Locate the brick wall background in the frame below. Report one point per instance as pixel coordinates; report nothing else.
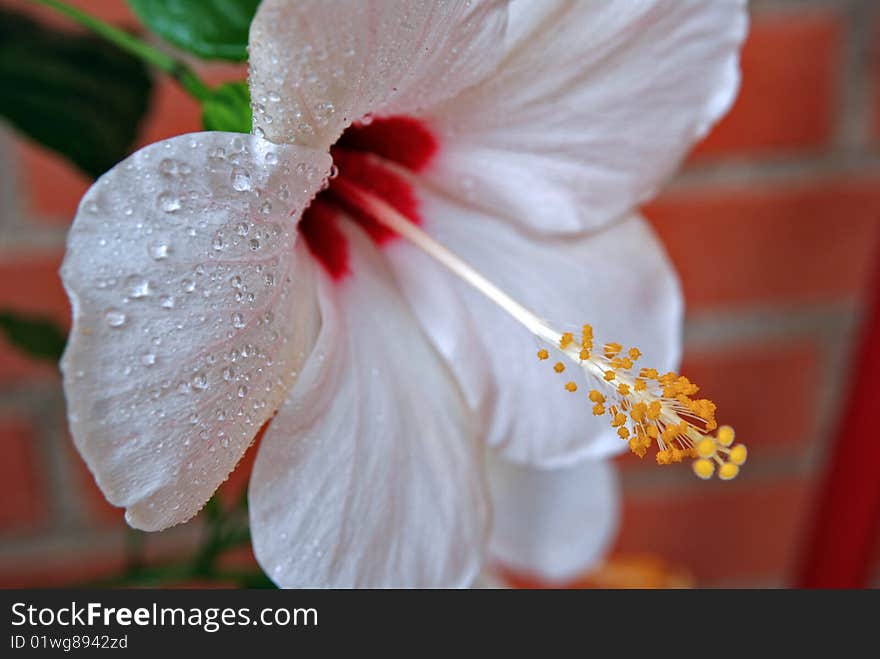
(773, 224)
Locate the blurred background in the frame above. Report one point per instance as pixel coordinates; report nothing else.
(773, 224)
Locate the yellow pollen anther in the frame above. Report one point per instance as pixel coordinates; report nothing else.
(584, 354)
(726, 435)
(598, 409)
(596, 396)
(738, 454)
(610, 375)
(704, 468)
(611, 349)
(623, 389)
(654, 410)
(649, 373)
(638, 412)
(543, 354)
(623, 431)
(587, 337)
(618, 420)
(640, 385)
(559, 367)
(571, 386)
(706, 447)
(634, 353)
(566, 340)
(728, 471)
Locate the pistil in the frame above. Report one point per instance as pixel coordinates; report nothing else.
(643, 406)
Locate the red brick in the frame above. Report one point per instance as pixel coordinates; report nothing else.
(61, 569)
(30, 284)
(738, 380)
(875, 64)
(101, 512)
(51, 187)
(745, 383)
(804, 242)
(23, 506)
(788, 96)
(111, 11)
(721, 531)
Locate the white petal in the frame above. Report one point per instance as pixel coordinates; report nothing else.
(619, 280)
(192, 308)
(592, 108)
(553, 524)
(318, 65)
(370, 474)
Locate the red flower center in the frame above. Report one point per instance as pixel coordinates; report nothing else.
(369, 156)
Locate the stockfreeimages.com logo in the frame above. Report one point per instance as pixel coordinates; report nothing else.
(210, 619)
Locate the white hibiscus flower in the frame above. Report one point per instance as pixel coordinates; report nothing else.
(485, 164)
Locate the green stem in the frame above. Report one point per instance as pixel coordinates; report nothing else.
(184, 76)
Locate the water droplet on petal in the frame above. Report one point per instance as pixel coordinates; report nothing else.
(148, 359)
(137, 287)
(168, 202)
(237, 320)
(160, 251)
(168, 167)
(199, 381)
(115, 317)
(241, 180)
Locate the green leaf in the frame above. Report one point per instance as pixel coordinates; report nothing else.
(211, 29)
(75, 94)
(228, 108)
(37, 337)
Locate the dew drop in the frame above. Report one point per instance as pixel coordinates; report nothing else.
(168, 202)
(188, 285)
(115, 317)
(138, 287)
(255, 244)
(237, 320)
(242, 229)
(199, 381)
(160, 251)
(148, 359)
(241, 180)
(167, 302)
(168, 167)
